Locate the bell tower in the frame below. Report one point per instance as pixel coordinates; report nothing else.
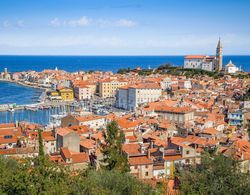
(218, 60)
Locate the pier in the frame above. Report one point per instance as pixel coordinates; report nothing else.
(41, 105)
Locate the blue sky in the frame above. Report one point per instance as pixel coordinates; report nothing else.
(124, 27)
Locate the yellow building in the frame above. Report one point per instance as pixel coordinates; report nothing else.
(54, 93)
(67, 94)
(108, 87)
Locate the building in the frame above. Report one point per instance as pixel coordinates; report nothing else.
(54, 96)
(5, 75)
(236, 118)
(230, 68)
(178, 115)
(108, 87)
(204, 62)
(199, 62)
(141, 167)
(9, 135)
(82, 92)
(130, 97)
(66, 94)
(67, 138)
(218, 58)
(247, 120)
(49, 142)
(74, 160)
(240, 151)
(91, 121)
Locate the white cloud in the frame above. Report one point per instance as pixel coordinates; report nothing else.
(55, 22)
(85, 21)
(126, 23)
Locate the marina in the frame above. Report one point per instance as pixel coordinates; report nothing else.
(35, 115)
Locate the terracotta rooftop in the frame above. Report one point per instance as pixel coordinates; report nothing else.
(139, 160)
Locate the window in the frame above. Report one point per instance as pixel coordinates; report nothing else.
(7, 136)
(146, 166)
(168, 164)
(187, 152)
(146, 173)
(136, 167)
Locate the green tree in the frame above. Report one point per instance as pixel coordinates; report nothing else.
(216, 175)
(109, 182)
(40, 143)
(114, 157)
(24, 178)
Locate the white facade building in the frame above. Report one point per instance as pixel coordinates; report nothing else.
(186, 84)
(230, 68)
(200, 62)
(208, 63)
(166, 83)
(130, 97)
(82, 92)
(92, 121)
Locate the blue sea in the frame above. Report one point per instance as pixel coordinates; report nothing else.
(13, 93)
(102, 63)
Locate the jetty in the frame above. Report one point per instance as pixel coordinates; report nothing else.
(37, 106)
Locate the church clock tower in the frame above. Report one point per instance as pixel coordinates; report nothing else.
(218, 61)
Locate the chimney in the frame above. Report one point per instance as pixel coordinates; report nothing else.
(149, 154)
(169, 141)
(151, 144)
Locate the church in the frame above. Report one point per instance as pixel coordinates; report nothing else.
(209, 63)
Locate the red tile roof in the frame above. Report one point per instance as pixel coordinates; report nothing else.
(195, 56)
(139, 160)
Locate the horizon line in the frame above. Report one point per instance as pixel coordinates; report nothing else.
(113, 55)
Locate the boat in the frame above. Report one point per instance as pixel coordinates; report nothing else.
(11, 110)
(45, 107)
(31, 108)
(55, 120)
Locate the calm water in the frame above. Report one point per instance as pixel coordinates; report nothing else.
(13, 93)
(102, 63)
(39, 116)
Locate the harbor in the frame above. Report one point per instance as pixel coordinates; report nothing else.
(39, 116)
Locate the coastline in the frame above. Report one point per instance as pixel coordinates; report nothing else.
(25, 84)
(42, 91)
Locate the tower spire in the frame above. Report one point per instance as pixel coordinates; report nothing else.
(218, 61)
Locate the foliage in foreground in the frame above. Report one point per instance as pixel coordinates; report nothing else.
(25, 178)
(217, 175)
(114, 157)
